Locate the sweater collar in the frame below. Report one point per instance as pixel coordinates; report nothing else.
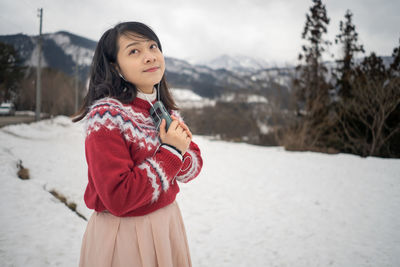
(141, 101)
(149, 97)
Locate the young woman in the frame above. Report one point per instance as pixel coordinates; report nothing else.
(133, 166)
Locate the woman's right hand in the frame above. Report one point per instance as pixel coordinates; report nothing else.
(176, 135)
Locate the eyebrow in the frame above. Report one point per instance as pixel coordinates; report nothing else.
(135, 43)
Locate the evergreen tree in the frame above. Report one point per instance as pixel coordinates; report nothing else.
(10, 72)
(372, 67)
(312, 88)
(395, 66)
(348, 37)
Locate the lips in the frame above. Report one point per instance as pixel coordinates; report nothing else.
(152, 69)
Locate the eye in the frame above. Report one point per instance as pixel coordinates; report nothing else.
(153, 46)
(133, 51)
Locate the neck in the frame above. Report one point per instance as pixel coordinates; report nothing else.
(146, 90)
(149, 97)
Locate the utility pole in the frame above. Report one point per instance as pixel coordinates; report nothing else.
(38, 70)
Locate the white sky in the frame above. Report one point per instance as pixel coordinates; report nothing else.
(202, 30)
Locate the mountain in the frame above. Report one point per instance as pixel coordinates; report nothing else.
(225, 74)
(71, 53)
(61, 50)
(236, 63)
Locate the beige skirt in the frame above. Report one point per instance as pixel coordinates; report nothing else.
(155, 239)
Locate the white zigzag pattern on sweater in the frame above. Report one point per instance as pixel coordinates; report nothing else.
(153, 180)
(138, 117)
(193, 169)
(125, 128)
(160, 172)
(177, 114)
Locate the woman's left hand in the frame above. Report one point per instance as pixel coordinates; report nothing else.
(183, 125)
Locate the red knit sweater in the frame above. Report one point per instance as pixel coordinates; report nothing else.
(129, 173)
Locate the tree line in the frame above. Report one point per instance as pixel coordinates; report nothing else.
(352, 107)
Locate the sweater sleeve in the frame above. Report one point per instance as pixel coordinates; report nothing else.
(192, 162)
(121, 185)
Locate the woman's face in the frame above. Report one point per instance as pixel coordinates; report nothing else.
(140, 61)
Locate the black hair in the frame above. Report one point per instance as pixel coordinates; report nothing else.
(104, 77)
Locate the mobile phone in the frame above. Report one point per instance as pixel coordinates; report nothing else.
(159, 112)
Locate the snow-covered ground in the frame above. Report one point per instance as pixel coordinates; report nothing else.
(186, 98)
(250, 206)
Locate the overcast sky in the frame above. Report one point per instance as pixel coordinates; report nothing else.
(202, 30)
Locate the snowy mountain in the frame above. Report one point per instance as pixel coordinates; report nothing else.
(250, 205)
(66, 51)
(225, 74)
(61, 50)
(80, 49)
(237, 63)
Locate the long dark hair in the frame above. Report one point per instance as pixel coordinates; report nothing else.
(104, 78)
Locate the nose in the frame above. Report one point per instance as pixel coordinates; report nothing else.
(149, 57)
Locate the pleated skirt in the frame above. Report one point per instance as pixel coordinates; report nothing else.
(155, 239)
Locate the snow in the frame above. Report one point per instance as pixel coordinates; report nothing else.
(33, 58)
(266, 207)
(185, 94)
(264, 128)
(248, 98)
(256, 99)
(186, 98)
(236, 62)
(79, 54)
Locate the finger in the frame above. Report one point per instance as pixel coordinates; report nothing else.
(162, 128)
(186, 135)
(186, 129)
(174, 118)
(180, 129)
(174, 125)
(188, 141)
(180, 121)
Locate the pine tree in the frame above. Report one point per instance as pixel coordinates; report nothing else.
(348, 37)
(10, 72)
(372, 67)
(395, 66)
(310, 130)
(312, 88)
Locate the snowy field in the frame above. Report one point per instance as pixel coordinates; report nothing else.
(250, 206)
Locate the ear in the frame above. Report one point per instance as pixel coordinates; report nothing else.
(115, 65)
